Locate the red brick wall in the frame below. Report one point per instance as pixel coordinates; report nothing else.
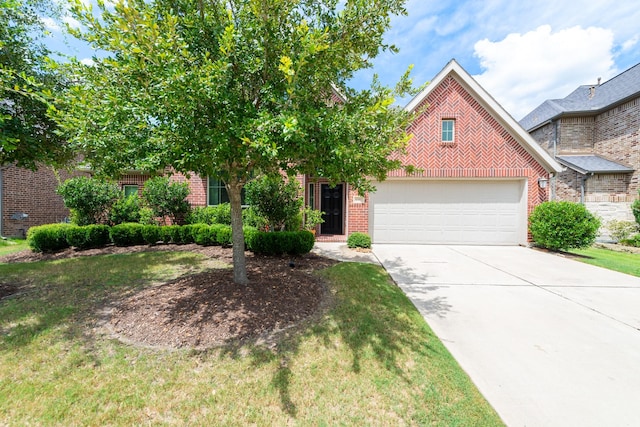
(482, 148)
(32, 193)
(197, 186)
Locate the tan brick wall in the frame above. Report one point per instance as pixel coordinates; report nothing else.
(575, 135)
(32, 193)
(618, 139)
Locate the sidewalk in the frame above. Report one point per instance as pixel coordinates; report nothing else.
(339, 251)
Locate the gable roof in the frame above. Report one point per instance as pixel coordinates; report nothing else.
(592, 163)
(493, 107)
(587, 99)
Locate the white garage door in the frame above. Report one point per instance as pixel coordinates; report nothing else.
(448, 212)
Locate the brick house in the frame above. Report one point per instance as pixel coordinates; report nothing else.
(595, 133)
(479, 176)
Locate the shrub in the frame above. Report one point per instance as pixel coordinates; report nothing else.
(170, 233)
(634, 241)
(167, 199)
(48, 237)
(88, 236)
(620, 230)
(186, 234)
(275, 199)
(359, 240)
(204, 234)
(249, 234)
(224, 235)
(277, 243)
(563, 225)
(312, 218)
(635, 208)
(147, 217)
(125, 209)
(152, 234)
(251, 218)
(88, 199)
(220, 214)
(127, 234)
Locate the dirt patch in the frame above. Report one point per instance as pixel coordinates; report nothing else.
(7, 290)
(208, 309)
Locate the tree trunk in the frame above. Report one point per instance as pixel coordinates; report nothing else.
(234, 190)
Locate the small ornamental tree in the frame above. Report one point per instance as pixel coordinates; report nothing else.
(230, 88)
(563, 225)
(275, 199)
(167, 199)
(88, 199)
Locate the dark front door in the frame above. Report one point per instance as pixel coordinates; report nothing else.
(331, 205)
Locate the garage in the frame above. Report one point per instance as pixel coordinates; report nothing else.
(464, 212)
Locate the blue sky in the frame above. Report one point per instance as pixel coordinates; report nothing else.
(521, 52)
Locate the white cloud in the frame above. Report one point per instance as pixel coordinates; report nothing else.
(88, 61)
(523, 70)
(629, 44)
(71, 21)
(50, 24)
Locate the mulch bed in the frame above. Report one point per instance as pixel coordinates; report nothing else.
(208, 309)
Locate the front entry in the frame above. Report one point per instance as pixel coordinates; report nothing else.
(331, 204)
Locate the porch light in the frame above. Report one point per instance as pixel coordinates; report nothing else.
(542, 182)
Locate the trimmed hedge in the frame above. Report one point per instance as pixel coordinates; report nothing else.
(281, 242)
(48, 237)
(563, 225)
(89, 236)
(54, 237)
(127, 234)
(359, 240)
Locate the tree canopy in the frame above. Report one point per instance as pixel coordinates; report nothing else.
(27, 134)
(228, 88)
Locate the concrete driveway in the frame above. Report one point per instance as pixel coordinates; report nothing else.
(549, 341)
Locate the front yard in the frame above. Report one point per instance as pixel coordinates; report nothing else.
(624, 262)
(367, 358)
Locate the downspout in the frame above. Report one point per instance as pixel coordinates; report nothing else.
(583, 183)
(552, 178)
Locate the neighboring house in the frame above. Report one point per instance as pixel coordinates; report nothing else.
(29, 198)
(480, 174)
(595, 133)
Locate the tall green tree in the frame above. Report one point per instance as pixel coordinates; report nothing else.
(27, 134)
(226, 88)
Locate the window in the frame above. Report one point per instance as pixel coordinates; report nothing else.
(312, 196)
(217, 193)
(130, 190)
(448, 130)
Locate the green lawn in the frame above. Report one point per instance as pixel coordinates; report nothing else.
(624, 262)
(370, 360)
(8, 246)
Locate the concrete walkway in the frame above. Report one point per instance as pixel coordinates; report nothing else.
(549, 341)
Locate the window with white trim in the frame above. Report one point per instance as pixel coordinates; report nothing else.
(448, 130)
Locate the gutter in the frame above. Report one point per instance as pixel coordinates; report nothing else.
(583, 182)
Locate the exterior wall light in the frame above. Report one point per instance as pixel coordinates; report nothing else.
(542, 182)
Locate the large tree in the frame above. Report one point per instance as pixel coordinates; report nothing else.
(27, 134)
(229, 88)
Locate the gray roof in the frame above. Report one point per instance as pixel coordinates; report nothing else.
(587, 99)
(592, 164)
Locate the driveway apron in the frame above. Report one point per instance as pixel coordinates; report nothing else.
(549, 341)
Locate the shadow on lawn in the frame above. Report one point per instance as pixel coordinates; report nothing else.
(369, 314)
(63, 294)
